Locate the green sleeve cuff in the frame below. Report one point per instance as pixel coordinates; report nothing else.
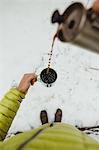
(17, 92)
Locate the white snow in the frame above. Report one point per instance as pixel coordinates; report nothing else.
(25, 40)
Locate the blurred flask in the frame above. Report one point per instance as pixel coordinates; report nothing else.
(78, 26)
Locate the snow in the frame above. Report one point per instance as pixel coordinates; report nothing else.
(25, 40)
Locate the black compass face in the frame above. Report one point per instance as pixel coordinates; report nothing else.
(48, 76)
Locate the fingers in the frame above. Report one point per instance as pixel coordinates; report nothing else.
(33, 80)
(31, 77)
(96, 6)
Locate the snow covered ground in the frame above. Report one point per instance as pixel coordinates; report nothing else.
(25, 40)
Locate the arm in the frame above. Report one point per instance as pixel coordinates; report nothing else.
(8, 109)
(10, 104)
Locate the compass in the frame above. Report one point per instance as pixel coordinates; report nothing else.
(48, 76)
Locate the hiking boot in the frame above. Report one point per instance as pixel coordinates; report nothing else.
(43, 117)
(58, 115)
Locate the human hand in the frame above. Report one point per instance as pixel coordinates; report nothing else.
(96, 6)
(27, 80)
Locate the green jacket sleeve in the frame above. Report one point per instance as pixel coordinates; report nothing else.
(8, 109)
